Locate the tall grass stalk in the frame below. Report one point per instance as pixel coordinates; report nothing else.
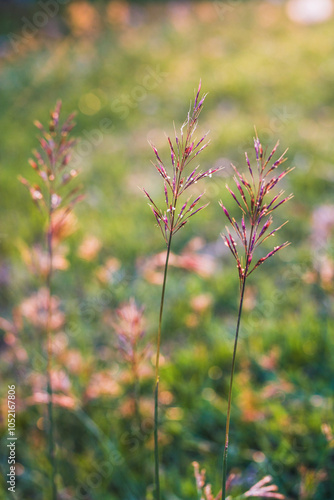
(51, 164)
(252, 231)
(183, 151)
(227, 431)
(49, 348)
(156, 390)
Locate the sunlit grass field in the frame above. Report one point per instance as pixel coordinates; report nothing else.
(130, 71)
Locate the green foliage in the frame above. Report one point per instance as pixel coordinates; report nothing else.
(259, 68)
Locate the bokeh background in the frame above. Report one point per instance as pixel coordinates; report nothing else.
(130, 70)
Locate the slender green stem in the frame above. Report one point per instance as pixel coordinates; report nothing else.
(242, 293)
(162, 307)
(52, 457)
(156, 391)
(136, 389)
(156, 444)
(51, 439)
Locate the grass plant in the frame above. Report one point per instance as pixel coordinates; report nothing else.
(172, 218)
(56, 202)
(252, 231)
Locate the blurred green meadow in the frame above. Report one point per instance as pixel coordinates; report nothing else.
(130, 70)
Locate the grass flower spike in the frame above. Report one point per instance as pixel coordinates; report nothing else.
(174, 216)
(253, 200)
(256, 211)
(183, 152)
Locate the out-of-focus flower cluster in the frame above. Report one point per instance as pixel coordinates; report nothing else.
(262, 489)
(321, 244)
(40, 313)
(191, 259)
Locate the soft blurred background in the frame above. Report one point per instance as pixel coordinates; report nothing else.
(130, 69)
